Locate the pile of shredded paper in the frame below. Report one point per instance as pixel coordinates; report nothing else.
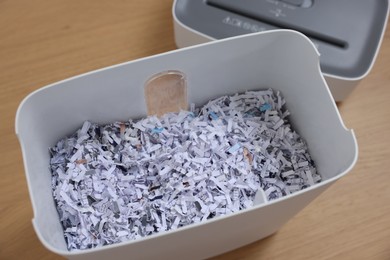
(127, 180)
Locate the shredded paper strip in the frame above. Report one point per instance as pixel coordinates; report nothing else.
(127, 180)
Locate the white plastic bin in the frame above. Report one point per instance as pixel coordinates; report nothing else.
(282, 60)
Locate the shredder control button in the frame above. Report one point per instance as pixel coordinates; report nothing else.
(300, 3)
(294, 2)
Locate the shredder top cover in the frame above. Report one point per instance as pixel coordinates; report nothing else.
(347, 33)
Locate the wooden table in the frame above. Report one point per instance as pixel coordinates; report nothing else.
(42, 42)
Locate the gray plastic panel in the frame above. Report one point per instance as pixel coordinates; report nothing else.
(346, 32)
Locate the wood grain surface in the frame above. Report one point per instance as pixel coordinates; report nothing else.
(44, 41)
